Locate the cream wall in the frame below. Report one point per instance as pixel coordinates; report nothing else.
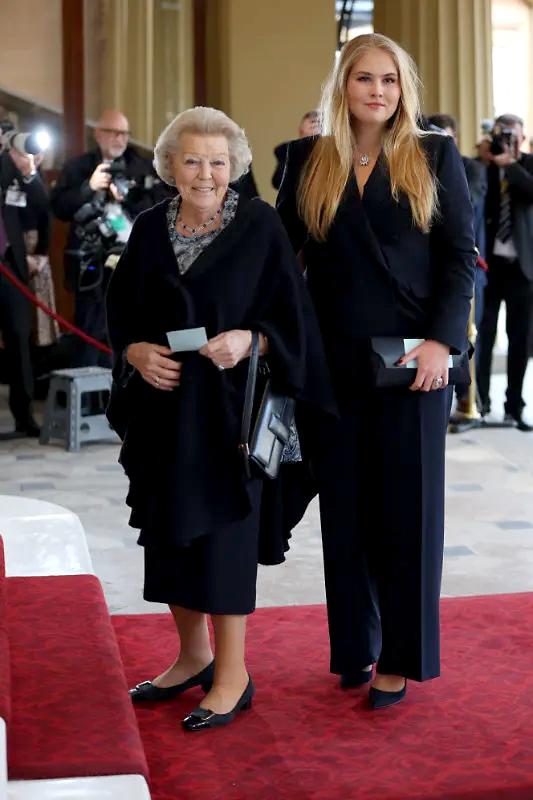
(512, 23)
(147, 62)
(451, 42)
(31, 50)
(266, 64)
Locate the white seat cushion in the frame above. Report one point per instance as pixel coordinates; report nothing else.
(42, 538)
(109, 787)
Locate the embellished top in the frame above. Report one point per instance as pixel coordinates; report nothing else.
(188, 248)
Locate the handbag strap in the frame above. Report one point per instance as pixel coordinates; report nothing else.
(249, 396)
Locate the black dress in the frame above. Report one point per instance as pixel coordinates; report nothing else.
(380, 467)
(198, 513)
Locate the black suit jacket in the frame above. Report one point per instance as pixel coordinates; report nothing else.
(281, 155)
(520, 178)
(379, 275)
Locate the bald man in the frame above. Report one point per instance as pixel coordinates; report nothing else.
(85, 179)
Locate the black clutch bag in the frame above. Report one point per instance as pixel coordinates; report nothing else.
(264, 438)
(387, 350)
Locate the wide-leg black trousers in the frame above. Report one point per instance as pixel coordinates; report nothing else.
(381, 477)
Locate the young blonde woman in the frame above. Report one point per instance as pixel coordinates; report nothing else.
(381, 211)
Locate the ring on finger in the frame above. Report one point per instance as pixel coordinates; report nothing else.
(438, 382)
(156, 380)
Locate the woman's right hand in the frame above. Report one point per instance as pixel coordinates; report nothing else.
(152, 361)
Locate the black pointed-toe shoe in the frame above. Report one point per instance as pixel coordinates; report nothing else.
(202, 718)
(147, 691)
(351, 680)
(380, 699)
(518, 421)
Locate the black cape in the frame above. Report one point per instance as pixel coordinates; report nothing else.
(180, 448)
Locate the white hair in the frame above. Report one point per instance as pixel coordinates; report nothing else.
(205, 122)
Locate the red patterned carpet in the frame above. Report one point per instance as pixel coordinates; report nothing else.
(465, 736)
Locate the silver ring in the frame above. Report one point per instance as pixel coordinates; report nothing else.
(220, 367)
(437, 383)
(156, 379)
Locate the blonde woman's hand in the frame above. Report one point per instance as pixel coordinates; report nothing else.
(154, 364)
(228, 348)
(432, 358)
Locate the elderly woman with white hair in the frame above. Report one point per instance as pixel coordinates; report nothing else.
(211, 259)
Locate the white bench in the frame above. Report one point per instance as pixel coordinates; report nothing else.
(42, 538)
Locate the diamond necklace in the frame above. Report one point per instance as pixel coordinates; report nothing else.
(364, 158)
(201, 227)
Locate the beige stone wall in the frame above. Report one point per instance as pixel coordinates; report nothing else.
(512, 25)
(267, 62)
(147, 62)
(31, 50)
(451, 41)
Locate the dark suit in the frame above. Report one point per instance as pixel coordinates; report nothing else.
(381, 466)
(510, 281)
(15, 311)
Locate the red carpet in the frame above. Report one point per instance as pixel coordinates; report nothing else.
(465, 736)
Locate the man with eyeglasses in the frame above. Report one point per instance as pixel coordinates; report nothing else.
(86, 179)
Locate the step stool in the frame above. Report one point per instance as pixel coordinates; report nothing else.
(66, 420)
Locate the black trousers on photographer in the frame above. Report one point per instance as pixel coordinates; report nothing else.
(506, 283)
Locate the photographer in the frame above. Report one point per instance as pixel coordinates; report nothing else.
(24, 208)
(509, 220)
(112, 184)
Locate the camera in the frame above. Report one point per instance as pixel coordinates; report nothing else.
(30, 143)
(125, 185)
(503, 138)
(117, 170)
(98, 244)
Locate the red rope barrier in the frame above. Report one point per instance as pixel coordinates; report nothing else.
(7, 273)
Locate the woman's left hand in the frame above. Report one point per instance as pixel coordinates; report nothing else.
(228, 348)
(432, 358)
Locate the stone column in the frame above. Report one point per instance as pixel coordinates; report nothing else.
(148, 62)
(451, 41)
(266, 62)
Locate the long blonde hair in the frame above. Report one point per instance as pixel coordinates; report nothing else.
(331, 162)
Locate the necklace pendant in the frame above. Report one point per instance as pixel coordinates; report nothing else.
(364, 161)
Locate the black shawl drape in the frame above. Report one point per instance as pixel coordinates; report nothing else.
(180, 449)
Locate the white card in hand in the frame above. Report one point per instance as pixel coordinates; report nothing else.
(187, 340)
(410, 344)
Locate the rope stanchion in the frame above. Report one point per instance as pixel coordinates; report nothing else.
(61, 321)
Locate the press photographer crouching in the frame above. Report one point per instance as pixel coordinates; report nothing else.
(100, 193)
(509, 218)
(24, 234)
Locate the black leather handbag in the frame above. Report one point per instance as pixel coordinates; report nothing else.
(387, 350)
(262, 442)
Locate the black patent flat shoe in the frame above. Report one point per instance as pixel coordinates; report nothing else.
(147, 691)
(380, 699)
(202, 718)
(351, 680)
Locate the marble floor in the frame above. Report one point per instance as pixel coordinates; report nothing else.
(489, 523)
